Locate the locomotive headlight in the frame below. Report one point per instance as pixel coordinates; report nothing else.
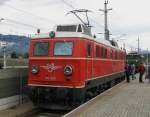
(52, 34)
(34, 69)
(68, 70)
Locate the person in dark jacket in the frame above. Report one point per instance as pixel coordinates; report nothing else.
(141, 70)
(127, 72)
(148, 73)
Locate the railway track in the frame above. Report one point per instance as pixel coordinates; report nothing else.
(59, 113)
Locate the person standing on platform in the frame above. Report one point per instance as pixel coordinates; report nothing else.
(148, 72)
(133, 71)
(127, 72)
(141, 71)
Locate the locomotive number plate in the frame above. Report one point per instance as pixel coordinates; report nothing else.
(50, 78)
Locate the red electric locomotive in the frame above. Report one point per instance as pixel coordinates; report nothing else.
(68, 65)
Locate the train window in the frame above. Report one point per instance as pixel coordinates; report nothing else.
(105, 53)
(97, 51)
(116, 55)
(41, 49)
(63, 48)
(71, 28)
(89, 48)
(102, 52)
(121, 56)
(111, 54)
(79, 28)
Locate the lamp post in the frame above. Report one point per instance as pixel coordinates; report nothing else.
(3, 44)
(4, 50)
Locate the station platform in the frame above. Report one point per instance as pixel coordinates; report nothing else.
(123, 100)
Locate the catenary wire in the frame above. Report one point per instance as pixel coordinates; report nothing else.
(71, 6)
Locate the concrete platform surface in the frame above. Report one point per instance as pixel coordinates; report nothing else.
(17, 111)
(124, 100)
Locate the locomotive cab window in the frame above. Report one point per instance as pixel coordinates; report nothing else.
(41, 49)
(63, 48)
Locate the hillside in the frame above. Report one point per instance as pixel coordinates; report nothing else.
(15, 43)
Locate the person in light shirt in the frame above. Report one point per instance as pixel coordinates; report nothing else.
(133, 71)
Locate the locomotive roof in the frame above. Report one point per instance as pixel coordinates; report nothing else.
(73, 32)
(80, 28)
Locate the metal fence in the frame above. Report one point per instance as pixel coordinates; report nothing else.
(13, 82)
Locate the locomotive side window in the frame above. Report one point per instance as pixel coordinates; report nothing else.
(105, 53)
(63, 48)
(120, 56)
(97, 51)
(89, 48)
(111, 54)
(79, 28)
(115, 54)
(41, 49)
(102, 52)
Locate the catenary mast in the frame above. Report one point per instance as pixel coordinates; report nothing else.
(105, 10)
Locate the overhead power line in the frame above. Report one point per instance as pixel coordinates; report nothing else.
(71, 6)
(31, 14)
(21, 23)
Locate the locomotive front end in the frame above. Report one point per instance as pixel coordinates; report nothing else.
(55, 73)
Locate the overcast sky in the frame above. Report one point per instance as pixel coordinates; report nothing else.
(130, 17)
